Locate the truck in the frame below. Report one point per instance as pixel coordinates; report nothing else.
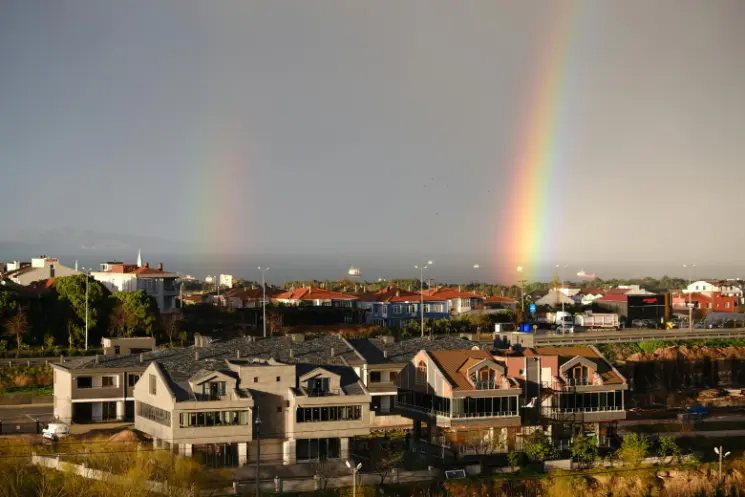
(593, 320)
(558, 317)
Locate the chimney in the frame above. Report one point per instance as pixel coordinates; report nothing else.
(98, 359)
(142, 357)
(292, 353)
(332, 352)
(160, 266)
(385, 354)
(147, 264)
(237, 354)
(196, 354)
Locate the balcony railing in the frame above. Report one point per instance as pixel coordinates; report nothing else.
(492, 414)
(586, 409)
(488, 385)
(426, 410)
(322, 393)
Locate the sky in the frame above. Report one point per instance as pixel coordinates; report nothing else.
(388, 127)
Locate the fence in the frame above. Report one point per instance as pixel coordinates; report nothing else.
(10, 427)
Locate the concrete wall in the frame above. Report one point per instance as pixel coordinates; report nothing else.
(62, 394)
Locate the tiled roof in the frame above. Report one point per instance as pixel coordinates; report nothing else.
(566, 354)
(310, 293)
(394, 294)
(348, 379)
(450, 363)
(496, 299)
(253, 293)
(401, 352)
(451, 293)
(181, 363)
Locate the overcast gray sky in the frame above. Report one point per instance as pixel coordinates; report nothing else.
(346, 126)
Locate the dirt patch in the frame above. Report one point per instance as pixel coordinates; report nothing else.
(128, 436)
(688, 353)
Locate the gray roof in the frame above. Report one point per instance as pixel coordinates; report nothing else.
(399, 352)
(348, 379)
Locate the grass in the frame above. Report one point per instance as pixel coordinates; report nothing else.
(34, 391)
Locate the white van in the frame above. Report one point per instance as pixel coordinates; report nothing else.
(55, 431)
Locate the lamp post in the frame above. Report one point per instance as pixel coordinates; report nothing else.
(720, 452)
(561, 277)
(355, 470)
(421, 290)
(689, 304)
(263, 299)
(522, 289)
(257, 423)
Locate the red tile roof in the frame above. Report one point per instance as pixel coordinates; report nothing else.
(451, 293)
(394, 294)
(497, 299)
(450, 363)
(310, 293)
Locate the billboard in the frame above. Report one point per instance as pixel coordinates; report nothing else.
(648, 307)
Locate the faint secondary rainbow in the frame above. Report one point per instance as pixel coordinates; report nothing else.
(530, 214)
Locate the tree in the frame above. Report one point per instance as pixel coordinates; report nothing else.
(325, 473)
(138, 312)
(171, 327)
(584, 449)
(17, 326)
(71, 294)
(538, 446)
(514, 459)
(8, 304)
(668, 448)
(634, 448)
(384, 460)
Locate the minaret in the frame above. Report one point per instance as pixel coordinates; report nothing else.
(76, 266)
(139, 258)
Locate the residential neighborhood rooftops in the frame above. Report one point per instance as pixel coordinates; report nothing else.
(448, 293)
(312, 293)
(383, 350)
(454, 364)
(394, 294)
(566, 354)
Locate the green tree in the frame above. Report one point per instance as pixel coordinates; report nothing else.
(71, 294)
(17, 326)
(634, 448)
(138, 311)
(514, 459)
(538, 446)
(584, 449)
(668, 448)
(8, 304)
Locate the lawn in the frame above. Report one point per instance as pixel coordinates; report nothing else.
(32, 390)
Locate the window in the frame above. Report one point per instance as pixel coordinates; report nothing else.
(375, 377)
(726, 305)
(397, 309)
(107, 381)
(328, 413)
(153, 385)
(279, 409)
(393, 376)
(411, 308)
(213, 418)
(256, 379)
(85, 382)
(427, 308)
(132, 379)
(278, 379)
(154, 414)
(421, 372)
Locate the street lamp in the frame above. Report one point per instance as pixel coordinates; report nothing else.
(421, 290)
(522, 289)
(689, 304)
(355, 470)
(263, 299)
(720, 452)
(257, 423)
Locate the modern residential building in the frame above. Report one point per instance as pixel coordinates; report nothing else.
(156, 282)
(40, 268)
(384, 359)
(315, 297)
(474, 401)
(226, 281)
(459, 302)
(392, 307)
(127, 345)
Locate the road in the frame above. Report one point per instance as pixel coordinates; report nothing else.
(546, 338)
(34, 361)
(26, 413)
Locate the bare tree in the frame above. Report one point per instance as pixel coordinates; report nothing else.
(17, 326)
(325, 473)
(171, 327)
(384, 460)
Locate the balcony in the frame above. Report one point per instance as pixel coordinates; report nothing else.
(317, 392)
(487, 385)
(79, 393)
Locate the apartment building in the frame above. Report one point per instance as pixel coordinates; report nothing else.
(159, 284)
(40, 268)
(475, 401)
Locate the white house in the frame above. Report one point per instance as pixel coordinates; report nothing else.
(160, 285)
(41, 268)
(725, 288)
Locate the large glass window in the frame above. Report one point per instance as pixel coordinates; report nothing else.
(318, 449)
(328, 413)
(213, 418)
(153, 413)
(424, 402)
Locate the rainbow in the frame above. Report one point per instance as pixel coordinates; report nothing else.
(530, 218)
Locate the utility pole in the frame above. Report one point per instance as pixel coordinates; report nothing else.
(263, 299)
(522, 290)
(421, 291)
(258, 452)
(690, 302)
(86, 309)
(561, 277)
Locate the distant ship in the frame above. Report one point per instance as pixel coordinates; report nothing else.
(353, 272)
(583, 274)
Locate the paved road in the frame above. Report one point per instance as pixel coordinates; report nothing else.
(44, 412)
(634, 335)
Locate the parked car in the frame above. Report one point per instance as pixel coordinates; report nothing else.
(639, 323)
(567, 328)
(55, 431)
